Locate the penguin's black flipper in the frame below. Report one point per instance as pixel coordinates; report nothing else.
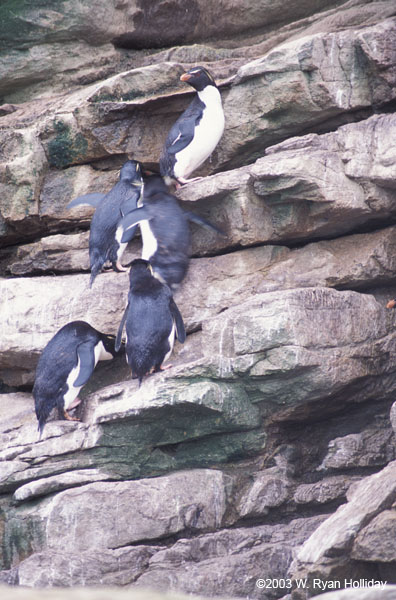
(130, 220)
(130, 203)
(182, 132)
(203, 222)
(91, 199)
(180, 136)
(175, 312)
(86, 354)
(118, 341)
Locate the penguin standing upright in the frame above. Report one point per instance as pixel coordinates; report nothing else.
(165, 231)
(65, 365)
(196, 132)
(151, 320)
(105, 234)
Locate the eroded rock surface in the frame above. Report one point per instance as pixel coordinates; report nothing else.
(267, 450)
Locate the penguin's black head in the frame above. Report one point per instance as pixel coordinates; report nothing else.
(140, 271)
(198, 78)
(131, 171)
(154, 184)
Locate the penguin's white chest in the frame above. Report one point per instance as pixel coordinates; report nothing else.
(100, 353)
(206, 134)
(150, 244)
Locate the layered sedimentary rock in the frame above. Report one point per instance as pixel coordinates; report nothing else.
(268, 450)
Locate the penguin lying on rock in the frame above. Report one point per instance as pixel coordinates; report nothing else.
(151, 320)
(105, 234)
(66, 364)
(165, 231)
(196, 132)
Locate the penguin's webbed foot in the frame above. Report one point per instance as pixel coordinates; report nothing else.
(118, 267)
(68, 417)
(391, 304)
(161, 368)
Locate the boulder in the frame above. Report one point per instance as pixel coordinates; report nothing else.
(374, 446)
(324, 491)
(325, 555)
(270, 488)
(316, 186)
(377, 541)
(232, 559)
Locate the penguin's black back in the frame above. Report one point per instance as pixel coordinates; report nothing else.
(57, 360)
(170, 227)
(107, 217)
(148, 323)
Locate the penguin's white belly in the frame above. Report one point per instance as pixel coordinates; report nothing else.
(206, 137)
(72, 392)
(122, 246)
(149, 242)
(171, 340)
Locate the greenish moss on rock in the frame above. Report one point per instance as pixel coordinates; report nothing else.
(66, 148)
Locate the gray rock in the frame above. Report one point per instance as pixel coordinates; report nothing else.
(291, 353)
(118, 567)
(48, 485)
(367, 448)
(229, 560)
(306, 81)
(377, 541)
(15, 410)
(131, 440)
(307, 86)
(122, 513)
(269, 489)
(324, 554)
(212, 285)
(326, 490)
(306, 188)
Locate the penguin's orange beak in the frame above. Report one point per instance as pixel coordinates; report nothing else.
(391, 304)
(185, 77)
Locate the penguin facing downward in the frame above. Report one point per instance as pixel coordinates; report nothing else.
(165, 231)
(151, 320)
(196, 132)
(65, 365)
(105, 235)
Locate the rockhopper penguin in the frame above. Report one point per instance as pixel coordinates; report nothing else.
(151, 320)
(196, 132)
(105, 235)
(165, 231)
(65, 365)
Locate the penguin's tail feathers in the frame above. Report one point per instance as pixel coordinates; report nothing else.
(96, 267)
(40, 428)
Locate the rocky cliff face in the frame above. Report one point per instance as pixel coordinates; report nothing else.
(268, 450)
